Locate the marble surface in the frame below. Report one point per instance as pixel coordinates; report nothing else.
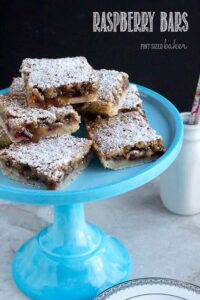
(161, 244)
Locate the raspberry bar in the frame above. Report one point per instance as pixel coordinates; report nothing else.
(124, 140)
(25, 123)
(57, 82)
(50, 163)
(4, 139)
(132, 101)
(113, 88)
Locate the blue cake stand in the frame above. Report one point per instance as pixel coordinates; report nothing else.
(73, 259)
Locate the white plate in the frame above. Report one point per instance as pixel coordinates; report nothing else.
(151, 289)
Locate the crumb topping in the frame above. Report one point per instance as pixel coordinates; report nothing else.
(132, 99)
(111, 84)
(125, 129)
(51, 73)
(16, 109)
(4, 139)
(17, 87)
(50, 157)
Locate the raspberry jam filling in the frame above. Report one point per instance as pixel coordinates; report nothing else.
(59, 101)
(33, 133)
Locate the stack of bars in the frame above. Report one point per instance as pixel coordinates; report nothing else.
(43, 108)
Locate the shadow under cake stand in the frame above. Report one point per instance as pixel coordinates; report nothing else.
(73, 259)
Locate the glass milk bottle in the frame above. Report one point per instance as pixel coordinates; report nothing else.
(180, 183)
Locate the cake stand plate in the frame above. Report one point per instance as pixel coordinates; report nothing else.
(73, 259)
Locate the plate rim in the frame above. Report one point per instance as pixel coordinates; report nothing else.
(147, 281)
(99, 192)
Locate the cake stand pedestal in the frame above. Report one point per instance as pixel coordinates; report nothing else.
(73, 259)
(70, 259)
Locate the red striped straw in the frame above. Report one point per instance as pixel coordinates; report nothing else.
(195, 112)
(197, 117)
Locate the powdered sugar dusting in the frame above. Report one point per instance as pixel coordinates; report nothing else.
(4, 139)
(133, 99)
(50, 157)
(51, 73)
(111, 85)
(16, 109)
(112, 134)
(17, 87)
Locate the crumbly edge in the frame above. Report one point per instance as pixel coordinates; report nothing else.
(117, 165)
(129, 150)
(16, 108)
(68, 72)
(112, 85)
(66, 149)
(36, 100)
(138, 108)
(52, 172)
(41, 83)
(44, 132)
(17, 88)
(25, 127)
(132, 101)
(56, 129)
(109, 109)
(137, 152)
(14, 174)
(4, 138)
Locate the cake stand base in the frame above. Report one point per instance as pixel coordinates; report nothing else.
(70, 260)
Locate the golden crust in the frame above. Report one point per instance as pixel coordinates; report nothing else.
(59, 81)
(49, 162)
(24, 123)
(126, 138)
(113, 88)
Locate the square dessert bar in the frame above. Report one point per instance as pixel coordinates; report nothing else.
(25, 123)
(49, 163)
(57, 82)
(4, 139)
(124, 140)
(113, 87)
(132, 101)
